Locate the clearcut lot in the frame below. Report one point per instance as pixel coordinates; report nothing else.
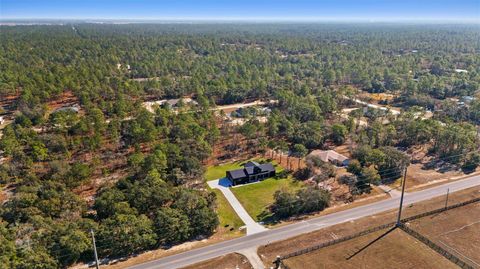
(396, 250)
(270, 251)
(456, 230)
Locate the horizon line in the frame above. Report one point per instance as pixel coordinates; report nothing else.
(249, 19)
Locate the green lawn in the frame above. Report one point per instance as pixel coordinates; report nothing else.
(256, 197)
(218, 171)
(227, 216)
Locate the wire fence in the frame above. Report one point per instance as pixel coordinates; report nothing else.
(439, 210)
(336, 241)
(283, 265)
(455, 259)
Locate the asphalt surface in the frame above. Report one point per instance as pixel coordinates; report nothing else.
(208, 252)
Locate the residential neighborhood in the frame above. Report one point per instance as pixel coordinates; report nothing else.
(239, 134)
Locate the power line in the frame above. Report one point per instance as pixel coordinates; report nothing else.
(398, 223)
(107, 242)
(381, 172)
(392, 171)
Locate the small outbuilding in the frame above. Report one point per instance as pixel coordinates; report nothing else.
(251, 172)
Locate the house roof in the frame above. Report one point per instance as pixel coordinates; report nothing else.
(267, 167)
(249, 169)
(239, 173)
(251, 163)
(329, 155)
(186, 100)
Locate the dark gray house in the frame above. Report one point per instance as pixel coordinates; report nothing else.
(251, 172)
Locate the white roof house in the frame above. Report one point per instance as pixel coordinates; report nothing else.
(330, 156)
(172, 102)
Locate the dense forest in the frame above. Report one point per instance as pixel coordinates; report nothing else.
(147, 168)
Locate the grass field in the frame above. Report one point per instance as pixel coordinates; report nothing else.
(229, 261)
(229, 220)
(396, 250)
(256, 197)
(218, 171)
(456, 230)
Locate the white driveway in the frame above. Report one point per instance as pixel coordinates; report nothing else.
(252, 256)
(394, 193)
(252, 226)
(358, 101)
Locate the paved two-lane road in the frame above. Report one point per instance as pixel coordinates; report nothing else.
(281, 233)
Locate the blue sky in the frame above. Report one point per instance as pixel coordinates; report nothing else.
(365, 10)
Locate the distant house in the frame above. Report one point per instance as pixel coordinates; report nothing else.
(251, 171)
(74, 108)
(172, 103)
(331, 156)
(175, 102)
(468, 99)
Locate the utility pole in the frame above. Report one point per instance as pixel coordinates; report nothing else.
(277, 262)
(446, 199)
(94, 249)
(401, 198)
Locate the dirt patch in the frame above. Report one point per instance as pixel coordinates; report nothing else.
(376, 97)
(229, 261)
(397, 249)
(419, 178)
(65, 99)
(287, 162)
(270, 251)
(3, 197)
(231, 145)
(344, 149)
(7, 103)
(6, 193)
(417, 175)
